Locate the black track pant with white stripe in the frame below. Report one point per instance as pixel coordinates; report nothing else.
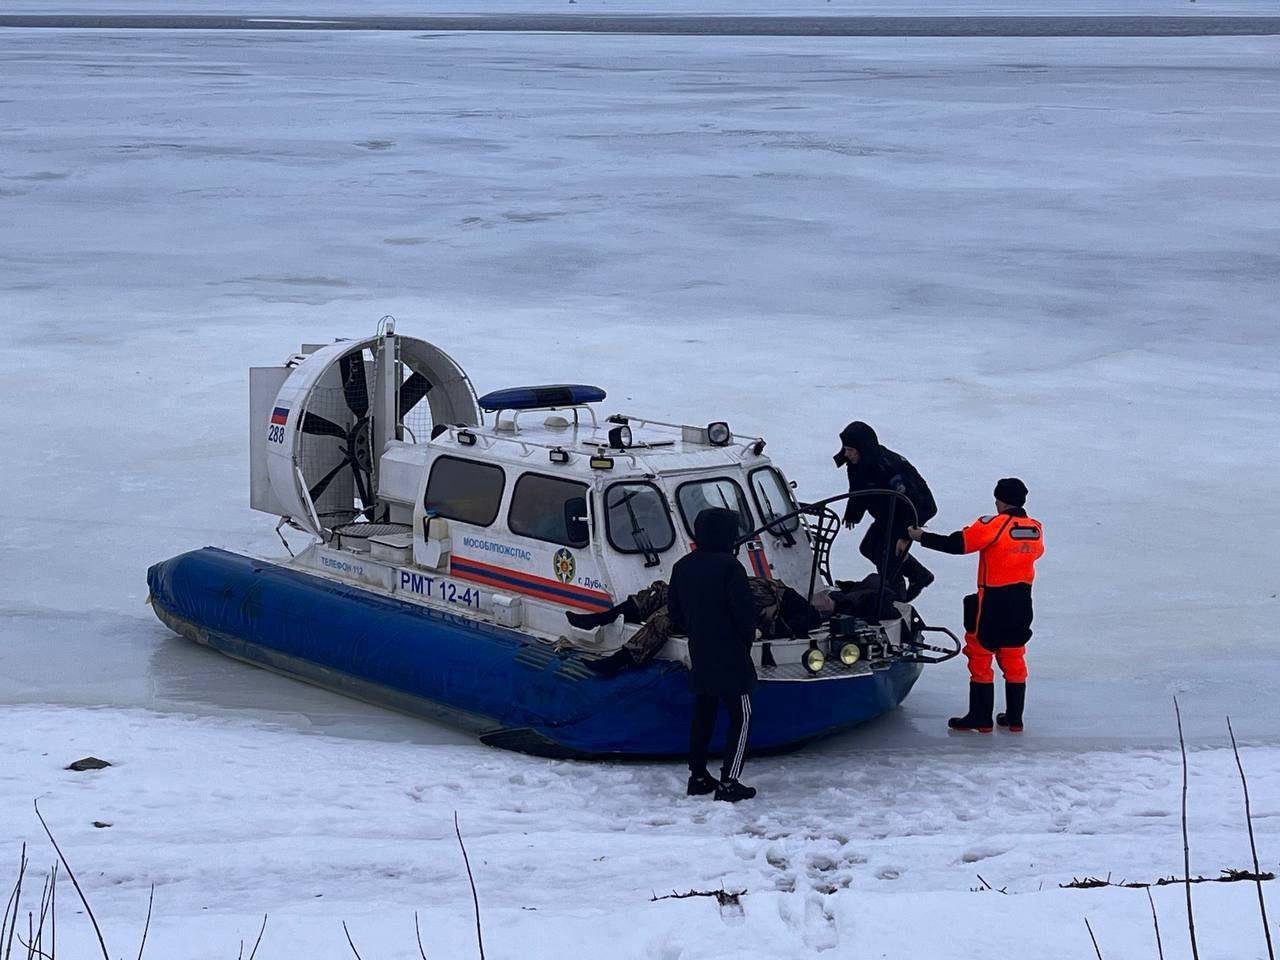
(705, 708)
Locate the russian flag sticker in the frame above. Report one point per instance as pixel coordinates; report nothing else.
(280, 415)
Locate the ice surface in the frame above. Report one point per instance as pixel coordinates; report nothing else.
(1050, 258)
(317, 8)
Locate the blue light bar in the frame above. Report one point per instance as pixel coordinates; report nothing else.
(540, 398)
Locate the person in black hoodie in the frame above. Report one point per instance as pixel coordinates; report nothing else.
(871, 466)
(710, 602)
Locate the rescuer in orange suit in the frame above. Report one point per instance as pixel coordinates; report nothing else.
(997, 619)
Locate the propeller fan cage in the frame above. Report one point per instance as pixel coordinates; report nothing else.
(337, 410)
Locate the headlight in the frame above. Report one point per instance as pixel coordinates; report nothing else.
(850, 653)
(718, 433)
(814, 660)
(620, 437)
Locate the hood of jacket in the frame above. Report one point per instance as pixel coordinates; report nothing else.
(862, 438)
(715, 529)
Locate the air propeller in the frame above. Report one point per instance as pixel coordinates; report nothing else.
(357, 449)
(356, 454)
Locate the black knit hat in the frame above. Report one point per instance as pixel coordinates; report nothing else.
(715, 529)
(1012, 491)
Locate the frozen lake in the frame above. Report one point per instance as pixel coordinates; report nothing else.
(1181, 24)
(1055, 258)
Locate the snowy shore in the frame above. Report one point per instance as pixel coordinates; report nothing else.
(871, 854)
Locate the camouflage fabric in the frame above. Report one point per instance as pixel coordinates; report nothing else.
(651, 607)
(650, 600)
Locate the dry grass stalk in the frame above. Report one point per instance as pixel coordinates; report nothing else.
(9, 922)
(1186, 842)
(147, 926)
(418, 931)
(1253, 846)
(475, 900)
(1155, 922)
(352, 945)
(1093, 938)
(74, 882)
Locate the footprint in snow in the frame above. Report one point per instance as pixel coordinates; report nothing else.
(828, 887)
(821, 863)
(975, 854)
(820, 931)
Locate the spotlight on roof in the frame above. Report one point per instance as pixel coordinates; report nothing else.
(718, 433)
(620, 437)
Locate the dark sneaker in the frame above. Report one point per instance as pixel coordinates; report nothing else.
(1002, 720)
(731, 791)
(917, 586)
(701, 784)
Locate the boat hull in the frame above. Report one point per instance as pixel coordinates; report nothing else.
(510, 689)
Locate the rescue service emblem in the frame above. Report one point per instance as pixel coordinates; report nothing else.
(564, 565)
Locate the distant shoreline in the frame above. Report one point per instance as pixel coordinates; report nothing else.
(689, 25)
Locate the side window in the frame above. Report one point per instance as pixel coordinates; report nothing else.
(637, 519)
(465, 490)
(697, 495)
(551, 509)
(773, 499)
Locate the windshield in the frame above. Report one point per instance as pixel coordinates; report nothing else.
(637, 519)
(698, 495)
(773, 498)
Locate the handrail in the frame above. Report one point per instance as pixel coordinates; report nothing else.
(819, 506)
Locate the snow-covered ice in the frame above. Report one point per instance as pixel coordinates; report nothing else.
(1050, 258)
(876, 855)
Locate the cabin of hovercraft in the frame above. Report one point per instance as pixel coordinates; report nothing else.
(550, 507)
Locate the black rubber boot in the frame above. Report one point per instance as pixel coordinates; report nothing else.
(589, 621)
(702, 783)
(917, 581)
(1015, 699)
(731, 791)
(610, 666)
(982, 700)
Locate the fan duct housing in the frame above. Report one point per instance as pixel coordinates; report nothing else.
(321, 422)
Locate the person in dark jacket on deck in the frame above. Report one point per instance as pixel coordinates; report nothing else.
(710, 602)
(871, 466)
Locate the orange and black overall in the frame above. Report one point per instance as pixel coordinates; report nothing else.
(997, 619)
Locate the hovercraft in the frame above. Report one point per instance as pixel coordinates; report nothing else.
(449, 534)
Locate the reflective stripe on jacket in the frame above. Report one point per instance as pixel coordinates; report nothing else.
(1008, 547)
